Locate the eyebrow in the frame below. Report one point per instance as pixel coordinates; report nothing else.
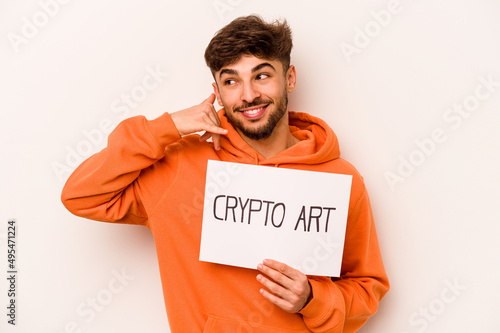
(260, 66)
(229, 71)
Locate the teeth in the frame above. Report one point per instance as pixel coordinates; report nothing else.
(255, 111)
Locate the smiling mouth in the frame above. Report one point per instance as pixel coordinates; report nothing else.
(254, 112)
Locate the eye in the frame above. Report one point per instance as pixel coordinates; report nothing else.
(229, 82)
(262, 76)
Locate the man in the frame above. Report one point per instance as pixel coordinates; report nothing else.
(153, 173)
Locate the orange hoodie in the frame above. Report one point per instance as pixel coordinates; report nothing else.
(149, 175)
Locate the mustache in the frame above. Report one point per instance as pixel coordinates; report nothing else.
(255, 102)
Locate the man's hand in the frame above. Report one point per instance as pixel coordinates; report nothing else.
(202, 117)
(288, 288)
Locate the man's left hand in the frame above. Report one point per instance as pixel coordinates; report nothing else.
(287, 287)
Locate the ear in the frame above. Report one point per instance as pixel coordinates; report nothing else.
(291, 79)
(217, 94)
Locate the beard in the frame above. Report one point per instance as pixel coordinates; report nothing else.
(264, 131)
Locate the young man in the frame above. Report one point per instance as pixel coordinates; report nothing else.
(153, 173)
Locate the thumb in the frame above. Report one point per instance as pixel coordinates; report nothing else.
(210, 99)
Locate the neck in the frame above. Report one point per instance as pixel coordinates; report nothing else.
(280, 140)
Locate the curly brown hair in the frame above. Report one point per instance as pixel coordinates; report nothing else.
(250, 35)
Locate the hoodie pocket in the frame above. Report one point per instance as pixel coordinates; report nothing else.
(217, 324)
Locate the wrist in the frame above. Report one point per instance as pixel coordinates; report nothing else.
(310, 297)
(163, 129)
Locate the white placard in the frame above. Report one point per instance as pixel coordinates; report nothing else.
(255, 212)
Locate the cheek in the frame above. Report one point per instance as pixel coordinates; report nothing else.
(275, 91)
(229, 98)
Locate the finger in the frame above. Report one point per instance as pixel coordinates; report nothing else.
(210, 100)
(291, 300)
(291, 272)
(216, 141)
(205, 136)
(214, 117)
(285, 305)
(273, 287)
(214, 129)
(279, 272)
(210, 117)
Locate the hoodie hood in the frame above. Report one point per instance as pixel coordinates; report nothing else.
(318, 143)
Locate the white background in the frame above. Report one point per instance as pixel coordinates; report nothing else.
(438, 226)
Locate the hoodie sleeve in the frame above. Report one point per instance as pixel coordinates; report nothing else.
(344, 304)
(104, 186)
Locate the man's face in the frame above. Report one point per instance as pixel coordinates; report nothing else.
(254, 94)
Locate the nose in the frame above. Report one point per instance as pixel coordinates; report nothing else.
(249, 93)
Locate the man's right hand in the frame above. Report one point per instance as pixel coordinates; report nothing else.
(202, 117)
